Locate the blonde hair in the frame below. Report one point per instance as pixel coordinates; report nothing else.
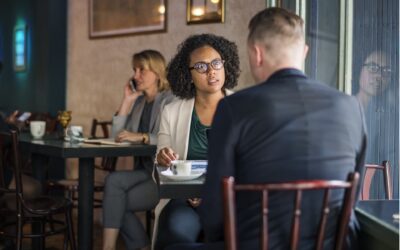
(276, 28)
(154, 61)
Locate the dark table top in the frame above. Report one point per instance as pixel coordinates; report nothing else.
(52, 146)
(381, 212)
(379, 229)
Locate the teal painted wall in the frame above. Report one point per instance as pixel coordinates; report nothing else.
(42, 86)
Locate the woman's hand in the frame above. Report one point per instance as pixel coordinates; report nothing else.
(129, 98)
(194, 202)
(165, 156)
(129, 94)
(129, 136)
(12, 119)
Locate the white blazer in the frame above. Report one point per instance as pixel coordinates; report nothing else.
(174, 132)
(175, 127)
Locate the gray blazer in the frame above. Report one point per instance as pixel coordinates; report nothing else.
(131, 121)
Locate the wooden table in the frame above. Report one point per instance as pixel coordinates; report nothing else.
(379, 230)
(42, 150)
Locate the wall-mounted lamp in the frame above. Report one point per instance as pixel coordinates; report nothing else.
(20, 48)
(205, 11)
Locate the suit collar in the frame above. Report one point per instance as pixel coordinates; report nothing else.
(288, 72)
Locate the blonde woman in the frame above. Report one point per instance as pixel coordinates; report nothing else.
(137, 120)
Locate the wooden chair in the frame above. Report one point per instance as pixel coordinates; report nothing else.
(104, 125)
(38, 211)
(229, 200)
(107, 163)
(71, 186)
(370, 171)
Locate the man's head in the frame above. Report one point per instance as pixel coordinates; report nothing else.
(275, 41)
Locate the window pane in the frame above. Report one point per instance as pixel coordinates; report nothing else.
(322, 37)
(376, 82)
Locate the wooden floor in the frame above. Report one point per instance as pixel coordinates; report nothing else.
(56, 242)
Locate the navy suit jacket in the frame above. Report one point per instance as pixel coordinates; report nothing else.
(286, 128)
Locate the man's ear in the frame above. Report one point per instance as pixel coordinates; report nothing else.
(305, 51)
(259, 54)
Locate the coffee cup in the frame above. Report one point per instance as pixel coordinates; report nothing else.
(38, 128)
(75, 133)
(182, 168)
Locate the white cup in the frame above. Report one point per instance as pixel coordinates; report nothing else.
(75, 133)
(38, 128)
(183, 168)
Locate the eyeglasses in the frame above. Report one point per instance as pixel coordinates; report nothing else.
(375, 68)
(203, 67)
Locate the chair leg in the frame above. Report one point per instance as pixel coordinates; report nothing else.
(66, 239)
(71, 235)
(43, 232)
(148, 223)
(52, 228)
(70, 194)
(19, 233)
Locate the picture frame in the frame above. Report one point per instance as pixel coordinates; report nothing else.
(205, 11)
(126, 17)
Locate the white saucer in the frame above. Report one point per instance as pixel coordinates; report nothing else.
(195, 174)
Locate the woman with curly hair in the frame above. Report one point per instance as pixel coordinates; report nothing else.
(201, 73)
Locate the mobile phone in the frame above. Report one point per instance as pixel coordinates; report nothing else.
(25, 116)
(132, 83)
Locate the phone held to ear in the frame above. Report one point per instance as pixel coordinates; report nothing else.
(25, 116)
(132, 83)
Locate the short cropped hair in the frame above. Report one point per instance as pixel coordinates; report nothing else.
(154, 61)
(276, 24)
(179, 74)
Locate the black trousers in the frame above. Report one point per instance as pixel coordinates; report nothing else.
(178, 223)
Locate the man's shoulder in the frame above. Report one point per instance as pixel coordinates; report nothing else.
(270, 89)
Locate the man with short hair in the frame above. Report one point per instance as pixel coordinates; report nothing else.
(288, 127)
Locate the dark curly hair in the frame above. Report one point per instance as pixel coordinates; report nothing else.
(178, 73)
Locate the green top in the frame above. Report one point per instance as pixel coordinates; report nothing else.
(198, 143)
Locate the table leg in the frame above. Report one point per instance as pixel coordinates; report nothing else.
(39, 169)
(39, 172)
(85, 203)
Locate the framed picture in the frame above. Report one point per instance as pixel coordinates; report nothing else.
(205, 11)
(124, 17)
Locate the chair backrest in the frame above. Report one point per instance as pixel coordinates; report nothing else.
(229, 200)
(4, 149)
(370, 170)
(105, 128)
(107, 163)
(10, 155)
